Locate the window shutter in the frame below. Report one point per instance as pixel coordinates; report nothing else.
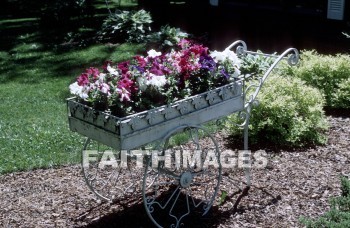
(214, 2)
(335, 9)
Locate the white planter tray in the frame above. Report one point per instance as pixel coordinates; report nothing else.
(135, 130)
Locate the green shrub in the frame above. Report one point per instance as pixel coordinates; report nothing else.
(255, 64)
(130, 26)
(338, 215)
(167, 37)
(289, 113)
(342, 94)
(328, 73)
(62, 12)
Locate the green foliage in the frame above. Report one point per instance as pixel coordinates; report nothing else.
(61, 11)
(328, 73)
(342, 94)
(338, 215)
(345, 187)
(289, 113)
(167, 37)
(255, 64)
(130, 26)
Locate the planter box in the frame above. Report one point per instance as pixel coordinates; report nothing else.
(136, 130)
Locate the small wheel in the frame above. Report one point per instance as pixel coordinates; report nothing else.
(106, 173)
(180, 179)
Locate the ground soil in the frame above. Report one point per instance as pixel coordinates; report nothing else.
(295, 183)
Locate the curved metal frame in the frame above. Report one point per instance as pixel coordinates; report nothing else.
(183, 181)
(113, 177)
(251, 101)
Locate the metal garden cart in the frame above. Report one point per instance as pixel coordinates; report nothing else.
(143, 152)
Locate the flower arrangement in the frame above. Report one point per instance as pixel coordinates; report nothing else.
(146, 82)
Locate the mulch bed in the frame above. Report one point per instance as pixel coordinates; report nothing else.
(294, 184)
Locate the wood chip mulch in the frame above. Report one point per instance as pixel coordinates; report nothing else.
(294, 184)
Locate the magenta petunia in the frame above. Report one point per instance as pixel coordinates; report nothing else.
(124, 67)
(156, 69)
(142, 62)
(94, 72)
(125, 83)
(83, 79)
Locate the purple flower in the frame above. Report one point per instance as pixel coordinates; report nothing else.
(207, 62)
(141, 69)
(156, 69)
(223, 72)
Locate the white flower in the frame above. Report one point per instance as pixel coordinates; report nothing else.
(237, 72)
(232, 57)
(112, 70)
(217, 56)
(226, 54)
(104, 88)
(78, 90)
(75, 89)
(157, 81)
(102, 77)
(142, 81)
(152, 53)
(84, 95)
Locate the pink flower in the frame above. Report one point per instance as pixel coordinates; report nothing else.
(198, 49)
(125, 83)
(156, 69)
(124, 94)
(83, 79)
(142, 62)
(184, 43)
(104, 88)
(124, 67)
(94, 72)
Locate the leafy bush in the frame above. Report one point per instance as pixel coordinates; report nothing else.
(339, 214)
(289, 113)
(328, 73)
(342, 94)
(130, 26)
(255, 64)
(62, 11)
(167, 37)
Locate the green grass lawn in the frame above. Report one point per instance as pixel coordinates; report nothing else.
(34, 80)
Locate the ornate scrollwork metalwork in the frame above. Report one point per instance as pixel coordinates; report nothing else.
(135, 122)
(252, 90)
(173, 192)
(241, 48)
(184, 107)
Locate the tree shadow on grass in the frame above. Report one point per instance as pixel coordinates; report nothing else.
(33, 48)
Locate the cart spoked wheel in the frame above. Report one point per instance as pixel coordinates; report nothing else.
(109, 174)
(182, 177)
